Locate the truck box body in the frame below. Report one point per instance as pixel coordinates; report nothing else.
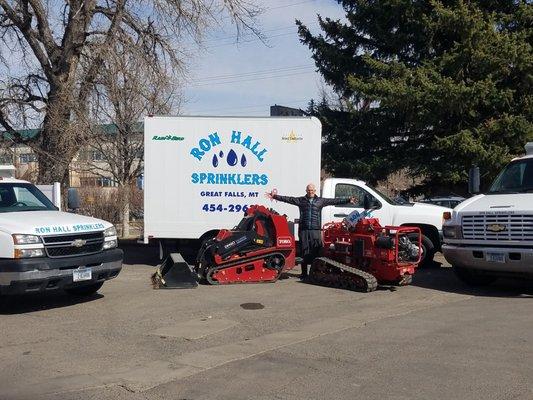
(201, 172)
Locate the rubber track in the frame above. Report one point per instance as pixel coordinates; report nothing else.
(371, 281)
(212, 270)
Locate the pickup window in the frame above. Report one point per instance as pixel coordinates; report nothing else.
(347, 190)
(23, 197)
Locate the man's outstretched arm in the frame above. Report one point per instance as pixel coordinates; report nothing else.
(339, 200)
(284, 199)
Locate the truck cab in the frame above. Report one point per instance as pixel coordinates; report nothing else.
(491, 235)
(43, 249)
(427, 217)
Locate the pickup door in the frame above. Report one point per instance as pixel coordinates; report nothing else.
(337, 213)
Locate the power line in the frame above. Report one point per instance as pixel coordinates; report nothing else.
(233, 37)
(251, 40)
(236, 109)
(253, 79)
(289, 5)
(255, 73)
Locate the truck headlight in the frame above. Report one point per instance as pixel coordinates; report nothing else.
(111, 231)
(26, 239)
(27, 253)
(110, 244)
(451, 231)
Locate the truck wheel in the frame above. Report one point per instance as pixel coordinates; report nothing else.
(85, 290)
(473, 278)
(428, 250)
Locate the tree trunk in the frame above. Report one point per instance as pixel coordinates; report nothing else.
(126, 211)
(59, 140)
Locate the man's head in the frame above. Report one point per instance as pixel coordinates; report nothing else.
(310, 190)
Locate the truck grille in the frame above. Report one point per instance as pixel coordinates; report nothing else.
(73, 245)
(504, 227)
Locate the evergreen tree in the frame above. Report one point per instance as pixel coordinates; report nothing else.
(434, 86)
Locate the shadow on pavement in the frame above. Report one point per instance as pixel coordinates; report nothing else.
(442, 278)
(21, 304)
(138, 253)
(148, 254)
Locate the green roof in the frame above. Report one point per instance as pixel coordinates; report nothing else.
(107, 128)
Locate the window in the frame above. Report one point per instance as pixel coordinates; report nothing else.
(27, 158)
(22, 197)
(88, 181)
(106, 182)
(515, 177)
(96, 155)
(97, 181)
(347, 190)
(6, 159)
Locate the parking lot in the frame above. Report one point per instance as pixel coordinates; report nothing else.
(288, 340)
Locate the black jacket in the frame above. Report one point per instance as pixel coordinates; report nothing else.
(310, 212)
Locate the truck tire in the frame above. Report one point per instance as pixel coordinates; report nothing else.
(428, 250)
(473, 278)
(85, 290)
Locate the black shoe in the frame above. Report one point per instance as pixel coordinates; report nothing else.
(303, 277)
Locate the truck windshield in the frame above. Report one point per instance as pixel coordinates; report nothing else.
(23, 197)
(516, 177)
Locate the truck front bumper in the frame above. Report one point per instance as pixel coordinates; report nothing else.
(30, 275)
(515, 260)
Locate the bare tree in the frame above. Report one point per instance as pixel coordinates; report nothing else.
(129, 88)
(54, 52)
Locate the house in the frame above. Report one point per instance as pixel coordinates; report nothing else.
(89, 168)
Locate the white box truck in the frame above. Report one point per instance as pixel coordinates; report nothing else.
(43, 249)
(202, 172)
(491, 235)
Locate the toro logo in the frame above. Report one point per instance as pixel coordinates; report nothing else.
(284, 241)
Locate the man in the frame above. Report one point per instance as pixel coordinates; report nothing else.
(310, 227)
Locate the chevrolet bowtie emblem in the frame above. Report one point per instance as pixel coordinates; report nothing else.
(496, 228)
(78, 242)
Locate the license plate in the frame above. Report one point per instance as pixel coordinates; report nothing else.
(496, 257)
(82, 274)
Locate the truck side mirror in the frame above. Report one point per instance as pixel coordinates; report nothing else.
(73, 201)
(473, 180)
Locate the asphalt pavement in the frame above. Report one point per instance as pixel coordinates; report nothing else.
(434, 339)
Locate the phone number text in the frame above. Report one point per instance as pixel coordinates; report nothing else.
(224, 207)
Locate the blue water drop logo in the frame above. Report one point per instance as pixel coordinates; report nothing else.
(243, 160)
(215, 161)
(221, 154)
(232, 158)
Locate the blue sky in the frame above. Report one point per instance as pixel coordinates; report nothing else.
(245, 78)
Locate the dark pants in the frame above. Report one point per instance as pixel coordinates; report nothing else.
(310, 246)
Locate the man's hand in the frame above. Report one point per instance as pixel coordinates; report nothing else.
(270, 195)
(354, 200)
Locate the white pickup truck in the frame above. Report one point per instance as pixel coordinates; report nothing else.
(43, 249)
(427, 217)
(491, 235)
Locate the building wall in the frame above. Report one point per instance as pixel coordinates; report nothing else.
(81, 171)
